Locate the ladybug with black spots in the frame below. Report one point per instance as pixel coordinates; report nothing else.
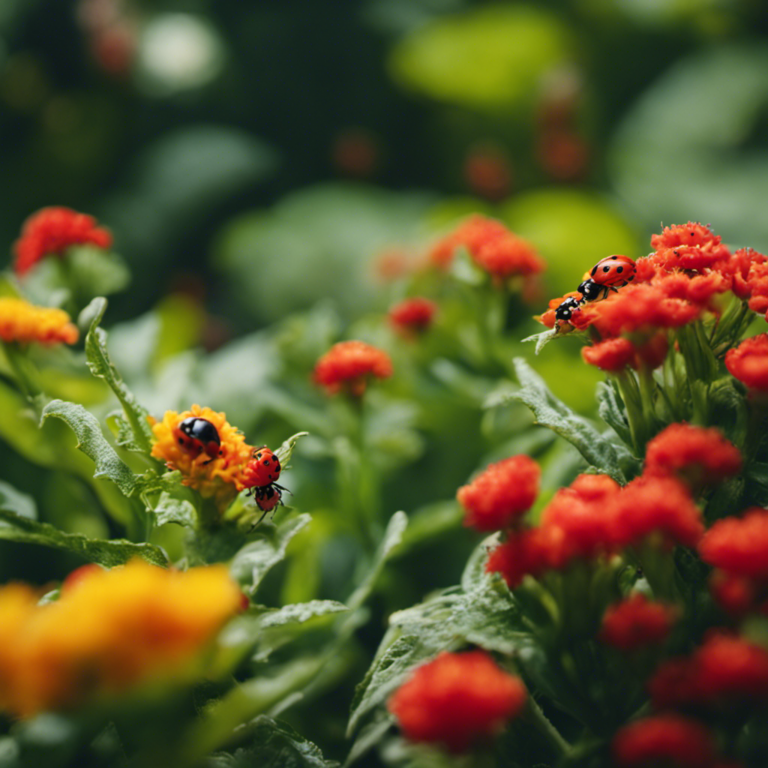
(198, 436)
(565, 310)
(263, 468)
(609, 274)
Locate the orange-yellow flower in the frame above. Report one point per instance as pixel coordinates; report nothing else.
(217, 478)
(24, 322)
(109, 631)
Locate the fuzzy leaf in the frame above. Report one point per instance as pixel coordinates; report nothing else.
(612, 411)
(171, 509)
(370, 735)
(254, 560)
(96, 272)
(298, 613)
(91, 441)
(101, 366)
(542, 339)
(17, 502)
(13, 527)
(274, 745)
(553, 413)
(285, 451)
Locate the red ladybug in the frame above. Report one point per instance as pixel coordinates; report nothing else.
(609, 274)
(268, 498)
(196, 436)
(262, 470)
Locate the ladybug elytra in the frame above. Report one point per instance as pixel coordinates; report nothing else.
(263, 468)
(197, 435)
(609, 274)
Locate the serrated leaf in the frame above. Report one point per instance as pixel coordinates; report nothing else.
(109, 553)
(474, 574)
(171, 509)
(370, 735)
(542, 339)
(254, 560)
(392, 537)
(101, 366)
(285, 451)
(273, 745)
(17, 502)
(553, 413)
(612, 412)
(298, 613)
(92, 443)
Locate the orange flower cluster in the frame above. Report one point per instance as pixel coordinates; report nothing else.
(500, 494)
(108, 632)
(738, 549)
(668, 739)
(677, 284)
(412, 316)
(23, 322)
(637, 623)
(749, 362)
(724, 670)
(218, 478)
(694, 454)
(348, 366)
(457, 698)
(496, 250)
(51, 231)
(595, 517)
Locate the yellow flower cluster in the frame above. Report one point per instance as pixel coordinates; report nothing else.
(24, 322)
(109, 631)
(217, 478)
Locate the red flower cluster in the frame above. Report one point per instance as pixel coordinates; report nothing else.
(495, 249)
(749, 362)
(694, 454)
(348, 365)
(725, 669)
(690, 246)
(595, 517)
(613, 355)
(636, 623)
(499, 495)
(738, 549)
(51, 231)
(412, 316)
(457, 698)
(667, 739)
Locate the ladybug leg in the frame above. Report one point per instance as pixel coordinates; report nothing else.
(257, 523)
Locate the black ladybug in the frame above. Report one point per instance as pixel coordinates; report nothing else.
(197, 435)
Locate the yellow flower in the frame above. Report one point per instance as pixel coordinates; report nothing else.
(217, 478)
(109, 631)
(24, 322)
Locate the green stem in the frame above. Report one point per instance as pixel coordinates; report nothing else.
(630, 394)
(535, 715)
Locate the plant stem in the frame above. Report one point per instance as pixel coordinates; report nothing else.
(537, 718)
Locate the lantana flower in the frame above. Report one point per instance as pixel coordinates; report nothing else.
(412, 316)
(218, 478)
(749, 362)
(637, 622)
(51, 231)
(108, 632)
(455, 699)
(349, 365)
(23, 322)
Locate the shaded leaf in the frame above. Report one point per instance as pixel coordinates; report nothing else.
(13, 527)
(96, 272)
(17, 502)
(542, 339)
(298, 613)
(285, 451)
(171, 509)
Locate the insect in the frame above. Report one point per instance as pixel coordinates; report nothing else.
(609, 274)
(263, 468)
(268, 498)
(197, 435)
(566, 309)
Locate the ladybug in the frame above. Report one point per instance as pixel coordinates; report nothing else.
(263, 469)
(609, 274)
(268, 498)
(196, 435)
(565, 311)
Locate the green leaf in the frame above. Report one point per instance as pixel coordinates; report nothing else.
(254, 560)
(101, 366)
(370, 735)
(553, 413)
(95, 272)
(542, 339)
(14, 527)
(171, 509)
(298, 613)
(91, 441)
(273, 745)
(285, 451)
(392, 537)
(17, 502)
(612, 411)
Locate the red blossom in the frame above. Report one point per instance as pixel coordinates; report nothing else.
(412, 315)
(656, 507)
(739, 545)
(349, 364)
(749, 362)
(736, 595)
(525, 552)
(611, 355)
(669, 739)
(51, 231)
(457, 698)
(695, 454)
(595, 487)
(637, 623)
(688, 246)
(508, 256)
(473, 234)
(500, 494)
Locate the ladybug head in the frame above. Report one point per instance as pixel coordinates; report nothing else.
(565, 310)
(590, 290)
